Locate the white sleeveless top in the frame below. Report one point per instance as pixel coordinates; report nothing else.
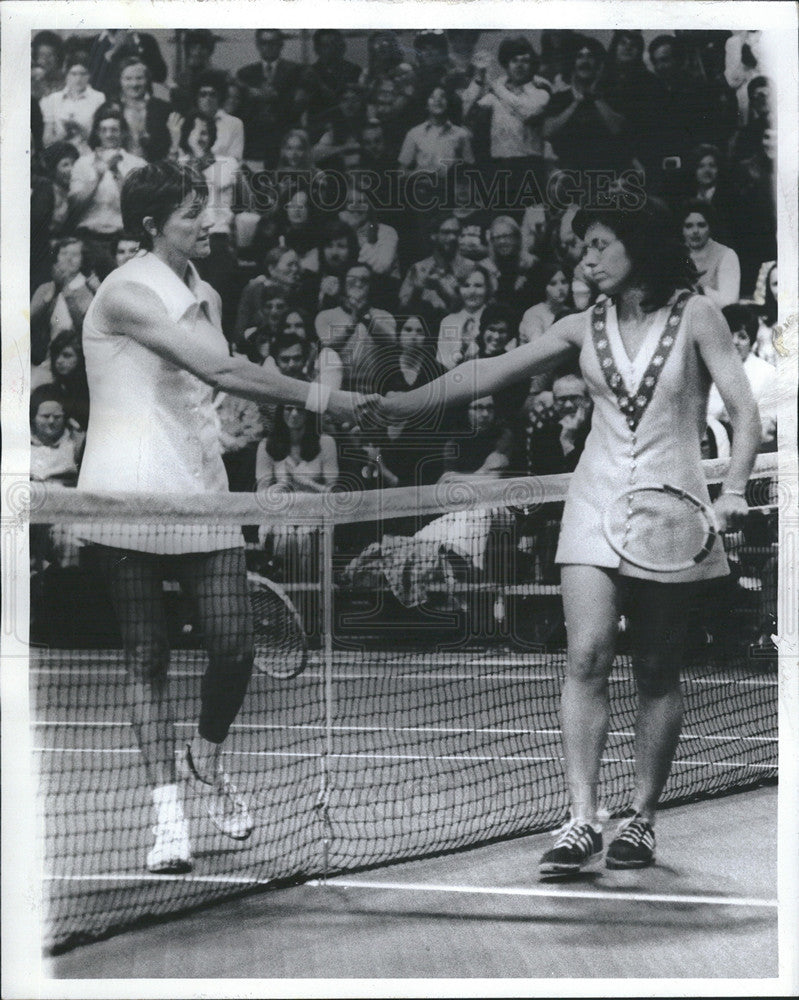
(152, 425)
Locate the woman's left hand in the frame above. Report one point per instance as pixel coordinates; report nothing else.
(730, 510)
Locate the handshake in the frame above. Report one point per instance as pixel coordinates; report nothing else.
(369, 411)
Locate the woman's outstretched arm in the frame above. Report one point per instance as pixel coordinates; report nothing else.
(486, 376)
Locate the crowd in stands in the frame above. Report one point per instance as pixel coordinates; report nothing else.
(374, 225)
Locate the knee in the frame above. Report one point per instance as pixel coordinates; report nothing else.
(588, 663)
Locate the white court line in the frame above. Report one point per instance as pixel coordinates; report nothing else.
(621, 896)
(451, 730)
(385, 756)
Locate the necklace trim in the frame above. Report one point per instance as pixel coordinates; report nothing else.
(634, 405)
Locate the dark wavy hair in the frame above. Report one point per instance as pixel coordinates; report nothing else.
(155, 191)
(111, 109)
(661, 261)
(278, 443)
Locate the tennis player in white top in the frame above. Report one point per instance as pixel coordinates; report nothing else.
(155, 352)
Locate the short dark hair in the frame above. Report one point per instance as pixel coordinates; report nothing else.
(509, 48)
(134, 60)
(123, 237)
(65, 338)
(497, 312)
(48, 393)
(51, 39)
(190, 118)
(703, 208)
(286, 340)
(155, 191)
(111, 109)
(57, 151)
(211, 78)
(337, 229)
(76, 57)
(579, 41)
(741, 316)
(660, 259)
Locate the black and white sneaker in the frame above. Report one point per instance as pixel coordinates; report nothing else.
(633, 846)
(577, 846)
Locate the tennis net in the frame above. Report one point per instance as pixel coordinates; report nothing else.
(423, 718)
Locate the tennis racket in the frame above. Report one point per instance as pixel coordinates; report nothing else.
(281, 649)
(660, 528)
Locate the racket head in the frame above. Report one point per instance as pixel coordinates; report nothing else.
(660, 528)
(280, 645)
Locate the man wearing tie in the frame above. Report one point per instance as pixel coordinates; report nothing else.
(271, 85)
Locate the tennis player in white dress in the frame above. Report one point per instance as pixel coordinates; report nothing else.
(154, 352)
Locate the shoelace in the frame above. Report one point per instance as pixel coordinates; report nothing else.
(570, 834)
(635, 830)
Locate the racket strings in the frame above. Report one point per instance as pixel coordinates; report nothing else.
(656, 527)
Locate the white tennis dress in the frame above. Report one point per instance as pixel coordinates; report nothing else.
(152, 425)
(647, 426)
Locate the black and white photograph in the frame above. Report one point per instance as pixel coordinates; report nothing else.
(399, 499)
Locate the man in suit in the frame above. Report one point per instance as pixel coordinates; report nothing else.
(273, 100)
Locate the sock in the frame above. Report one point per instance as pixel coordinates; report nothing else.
(167, 804)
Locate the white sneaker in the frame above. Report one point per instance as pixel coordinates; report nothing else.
(225, 805)
(171, 853)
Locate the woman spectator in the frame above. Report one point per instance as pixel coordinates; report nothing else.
(458, 331)
(56, 443)
(61, 303)
(706, 181)
(146, 116)
(295, 223)
(59, 159)
(337, 251)
(69, 113)
(765, 298)
(97, 181)
(65, 369)
(552, 295)
(295, 458)
(280, 280)
(412, 453)
(717, 265)
(295, 162)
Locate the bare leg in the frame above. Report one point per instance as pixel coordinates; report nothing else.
(590, 602)
(659, 629)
